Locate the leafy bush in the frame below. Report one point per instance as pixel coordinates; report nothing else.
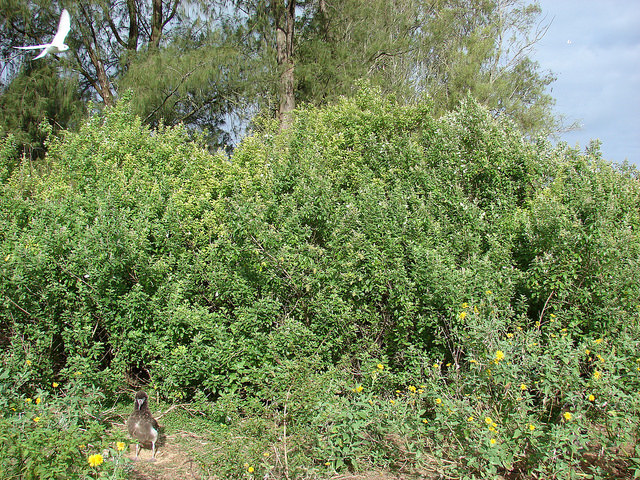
(348, 240)
(103, 247)
(54, 431)
(543, 400)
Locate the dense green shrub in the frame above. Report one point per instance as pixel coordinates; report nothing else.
(99, 249)
(361, 228)
(366, 234)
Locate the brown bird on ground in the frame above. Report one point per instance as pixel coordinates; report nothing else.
(142, 426)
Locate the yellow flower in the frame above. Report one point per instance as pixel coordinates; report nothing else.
(359, 388)
(28, 362)
(488, 421)
(392, 401)
(250, 469)
(462, 315)
(523, 386)
(412, 389)
(598, 341)
(587, 351)
(438, 401)
(465, 305)
(424, 420)
(380, 367)
(499, 355)
(95, 460)
(567, 416)
(597, 374)
(38, 400)
(36, 419)
(470, 419)
(266, 454)
(492, 428)
(592, 398)
(532, 427)
(120, 446)
(493, 441)
(509, 335)
(78, 373)
(54, 384)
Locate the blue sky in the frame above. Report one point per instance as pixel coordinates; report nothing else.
(593, 47)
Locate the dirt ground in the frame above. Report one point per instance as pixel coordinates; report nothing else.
(173, 462)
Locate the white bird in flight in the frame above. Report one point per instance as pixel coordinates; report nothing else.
(57, 45)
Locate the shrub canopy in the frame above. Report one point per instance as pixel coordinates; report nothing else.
(357, 232)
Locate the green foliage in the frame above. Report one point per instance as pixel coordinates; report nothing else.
(195, 83)
(579, 234)
(542, 400)
(38, 95)
(50, 431)
(444, 50)
(8, 157)
(93, 247)
(462, 258)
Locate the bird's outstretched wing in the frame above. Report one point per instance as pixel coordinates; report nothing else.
(63, 29)
(32, 47)
(43, 53)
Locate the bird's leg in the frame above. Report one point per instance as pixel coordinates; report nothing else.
(153, 452)
(137, 450)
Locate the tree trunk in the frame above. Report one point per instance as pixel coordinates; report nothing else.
(285, 19)
(156, 24)
(103, 85)
(132, 41)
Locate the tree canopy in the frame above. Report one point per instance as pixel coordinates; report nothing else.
(213, 65)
